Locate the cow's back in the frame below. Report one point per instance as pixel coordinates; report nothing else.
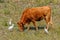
(36, 12)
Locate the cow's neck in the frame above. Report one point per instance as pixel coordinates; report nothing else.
(23, 21)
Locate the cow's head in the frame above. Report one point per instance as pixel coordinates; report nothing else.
(20, 26)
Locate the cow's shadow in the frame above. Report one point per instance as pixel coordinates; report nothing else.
(33, 28)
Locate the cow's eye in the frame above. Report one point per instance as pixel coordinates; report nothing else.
(22, 24)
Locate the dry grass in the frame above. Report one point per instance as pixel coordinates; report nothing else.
(13, 9)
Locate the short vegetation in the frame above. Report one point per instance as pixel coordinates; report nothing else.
(13, 9)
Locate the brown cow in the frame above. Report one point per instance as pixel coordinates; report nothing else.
(33, 15)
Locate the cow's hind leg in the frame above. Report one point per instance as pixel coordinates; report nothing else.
(47, 19)
(47, 27)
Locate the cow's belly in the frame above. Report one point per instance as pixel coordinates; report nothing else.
(38, 19)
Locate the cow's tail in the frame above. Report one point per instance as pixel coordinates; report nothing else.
(50, 16)
(51, 20)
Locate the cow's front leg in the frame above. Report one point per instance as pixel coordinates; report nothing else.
(34, 22)
(28, 27)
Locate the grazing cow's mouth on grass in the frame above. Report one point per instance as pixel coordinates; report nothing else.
(35, 14)
(21, 26)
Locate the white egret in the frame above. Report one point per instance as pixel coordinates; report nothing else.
(10, 21)
(46, 30)
(11, 27)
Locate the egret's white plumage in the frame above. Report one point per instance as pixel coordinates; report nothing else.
(11, 27)
(46, 30)
(10, 21)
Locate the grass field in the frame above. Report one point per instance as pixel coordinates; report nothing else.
(14, 8)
